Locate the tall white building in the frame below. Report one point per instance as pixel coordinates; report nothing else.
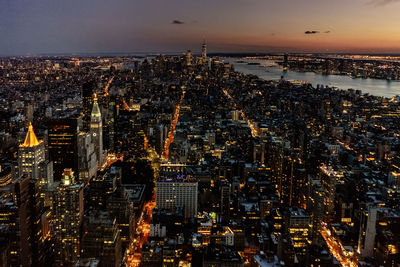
(366, 240)
(87, 163)
(175, 192)
(30, 155)
(96, 129)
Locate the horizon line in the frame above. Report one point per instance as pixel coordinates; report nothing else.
(176, 53)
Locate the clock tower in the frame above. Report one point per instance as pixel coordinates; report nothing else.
(96, 130)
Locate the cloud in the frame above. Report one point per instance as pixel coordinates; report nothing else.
(382, 2)
(175, 21)
(315, 32)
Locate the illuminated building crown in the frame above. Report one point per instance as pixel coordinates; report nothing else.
(30, 139)
(96, 110)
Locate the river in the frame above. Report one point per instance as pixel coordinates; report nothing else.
(274, 72)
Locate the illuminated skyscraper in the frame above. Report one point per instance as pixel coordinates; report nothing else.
(24, 225)
(10, 241)
(329, 178)
(30, 155)
(68, 208)
(204, 52)
(96, 129)
(315, 206)
(188, 58)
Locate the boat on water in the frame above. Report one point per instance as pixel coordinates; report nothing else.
(253, 63)
(240, 61)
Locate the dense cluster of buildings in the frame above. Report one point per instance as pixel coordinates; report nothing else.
(181, 161)
(387, 68)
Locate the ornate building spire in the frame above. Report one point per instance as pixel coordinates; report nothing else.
(30, 139)
(95, 110)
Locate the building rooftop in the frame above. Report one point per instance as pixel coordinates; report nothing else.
(134, 191)
(177, 179)
(87, 263)
(30, 139)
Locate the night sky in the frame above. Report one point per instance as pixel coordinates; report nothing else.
(93, 26)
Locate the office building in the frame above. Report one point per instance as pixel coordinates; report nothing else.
(25, 223)
(329, 178)
(9, 232)
(30, 155)
(177, 192)
(87, 157)
(63, 145)
(68, 213)
(298, 227)
(101, 239)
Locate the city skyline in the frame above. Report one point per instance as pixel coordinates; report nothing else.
(39, 27)
(199, 160)
(241, 133)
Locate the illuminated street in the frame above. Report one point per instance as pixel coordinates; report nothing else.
(337, 249)
(108, 86)
(134, 253)
(142, 233)
(171, 132)
(255, 131)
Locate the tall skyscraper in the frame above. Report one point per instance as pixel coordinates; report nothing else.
(10, 240)
(68, 208)
(25, 223)
(315, 207)
(87, 157)
(188, 58)
(63, 147)
(96, 129)
(204, 52)
(30, 155)
(329, 178)
(367, 234)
